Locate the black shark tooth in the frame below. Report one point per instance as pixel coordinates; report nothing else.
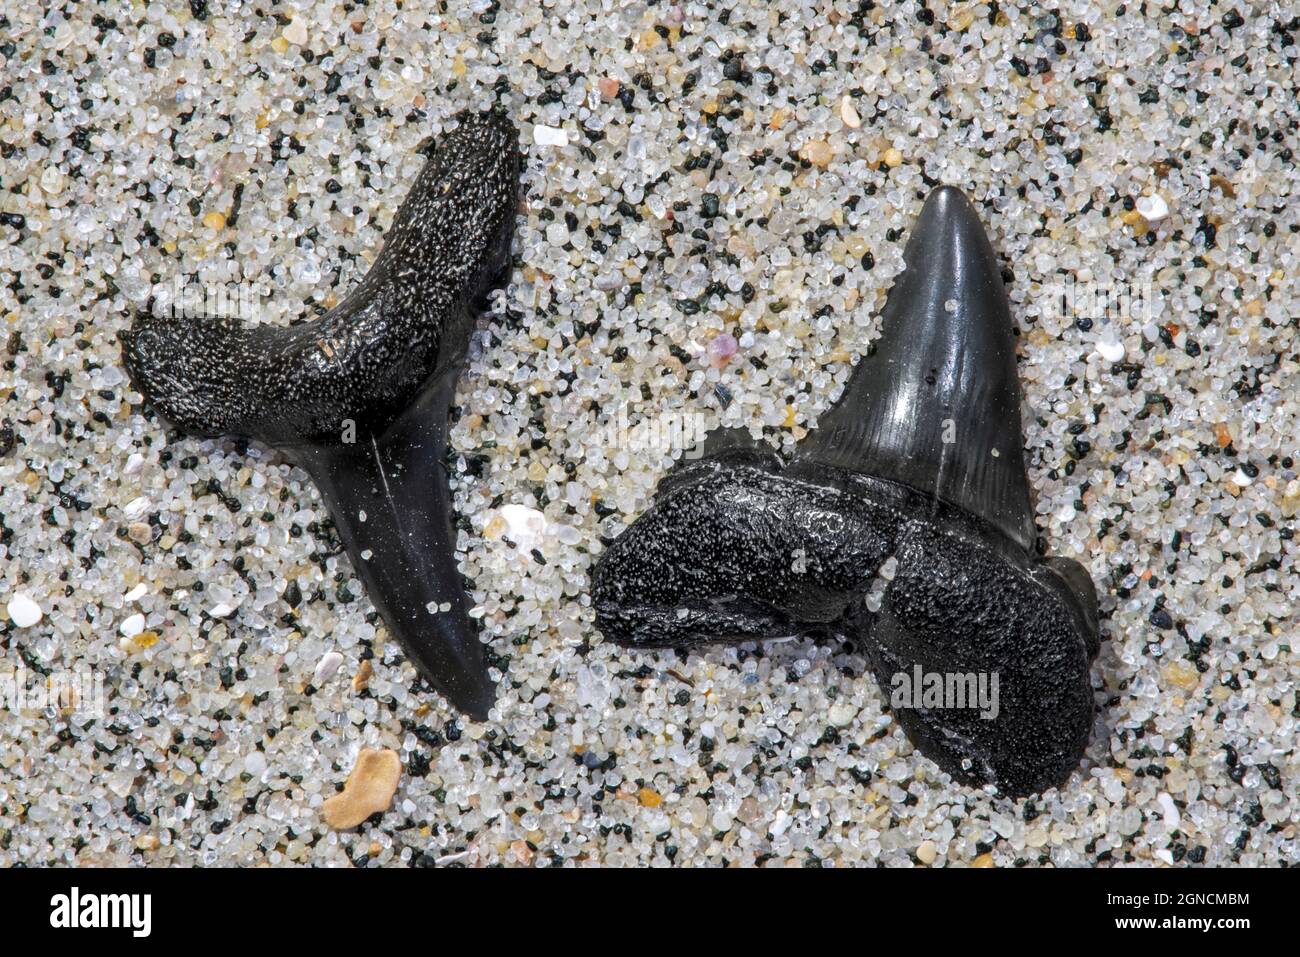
(902, 523)
(359, 398)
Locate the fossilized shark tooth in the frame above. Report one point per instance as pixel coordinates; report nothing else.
(359, 397)
(902, 523)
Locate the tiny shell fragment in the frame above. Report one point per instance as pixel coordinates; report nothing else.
(369, 789)
(819, 153)
(550, 136)
(326, 668)
(296, 32)
(361, 680)
(1152, 208)
(849, 113)
(24, 612)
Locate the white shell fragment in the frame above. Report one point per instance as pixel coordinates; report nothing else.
(849, 113)
(136, 508)
(1153, 208)
(296, 31)
(1110, 349)
(24, 612)
(525, 526)
(550, 136)
(326, 668)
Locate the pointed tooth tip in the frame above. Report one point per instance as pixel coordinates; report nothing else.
(949, 225)
(403, 550)
(969, 354)
(450, 657)
(949, 199)
(474, 701)
(948, 207)
(937, 406)
(459, 659)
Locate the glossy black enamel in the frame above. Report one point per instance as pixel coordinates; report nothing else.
(936, 405)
